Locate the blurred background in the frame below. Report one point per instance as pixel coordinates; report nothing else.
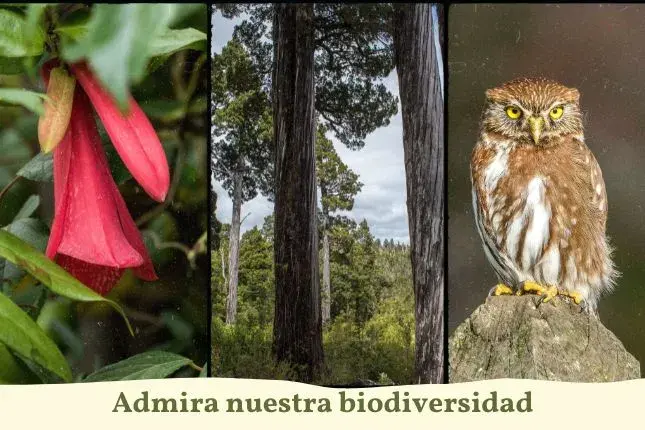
(170, 314)
(599, 49)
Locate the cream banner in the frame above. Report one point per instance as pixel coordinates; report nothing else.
(214, 403)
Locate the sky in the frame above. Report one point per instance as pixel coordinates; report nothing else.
(380, 166)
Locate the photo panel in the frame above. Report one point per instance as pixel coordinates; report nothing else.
(327, 158)
(545, 191)
(103, 192)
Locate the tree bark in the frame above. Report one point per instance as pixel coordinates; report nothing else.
(297, 334)
(234, 249)
(326, 279)
(422, 112)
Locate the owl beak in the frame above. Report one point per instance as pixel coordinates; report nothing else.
(536, 124)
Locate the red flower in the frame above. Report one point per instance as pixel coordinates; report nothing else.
(131, 134)
(93, 235)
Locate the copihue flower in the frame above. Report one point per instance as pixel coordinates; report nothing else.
(93, 235)
(131, 134)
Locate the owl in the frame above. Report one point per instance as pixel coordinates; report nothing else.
(539, 196)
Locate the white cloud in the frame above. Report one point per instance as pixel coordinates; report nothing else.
(380, 165)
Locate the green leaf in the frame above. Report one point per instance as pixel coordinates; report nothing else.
(49, 273)
(32, 231)
(165, 110)
(74, 31)
(31, 298)
(32, 24)
(12, 65)
(171, 41)
(149, 365)
(57, 320)
(28, 208)
(40, 168)
(118, 43)
(204, 372)
(14, 38)
(182, 11)
(29, 99)
(182, 331)
(12, 370)
(23, 336)
(157, 62)
(74, 28)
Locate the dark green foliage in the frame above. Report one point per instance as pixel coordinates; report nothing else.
(243, 350)
(353, 276)
(256, 278)
(370, 335)
(381, 350)
(338, 183)
(353, 53)
(241, 123)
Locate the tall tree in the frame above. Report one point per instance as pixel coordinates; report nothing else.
(256, 279)
(420, 90)
(297, 325)
(241, 153)
(356, 290)
(338, 186)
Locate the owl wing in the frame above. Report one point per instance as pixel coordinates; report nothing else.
(497, 258)
(598, 191)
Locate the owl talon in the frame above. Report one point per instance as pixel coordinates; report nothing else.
(501, 290)
(531, 288)
(576, 297)
(534, 288)
(550, 293)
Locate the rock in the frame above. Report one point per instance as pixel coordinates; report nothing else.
(519, 337)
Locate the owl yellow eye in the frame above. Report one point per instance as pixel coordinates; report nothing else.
(556, 112)
(513, 112)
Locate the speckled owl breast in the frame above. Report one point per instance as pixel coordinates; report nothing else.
(538, 193)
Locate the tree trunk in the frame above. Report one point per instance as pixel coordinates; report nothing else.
(326, 279)
(234, 249)
(298, 325)
(215, 225)
(422, 112)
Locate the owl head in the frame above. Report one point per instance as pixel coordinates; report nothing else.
(532, 111)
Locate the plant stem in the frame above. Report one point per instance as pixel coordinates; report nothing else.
(196, 367)
(9, 185)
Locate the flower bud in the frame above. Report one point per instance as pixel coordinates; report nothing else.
(58, 109)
